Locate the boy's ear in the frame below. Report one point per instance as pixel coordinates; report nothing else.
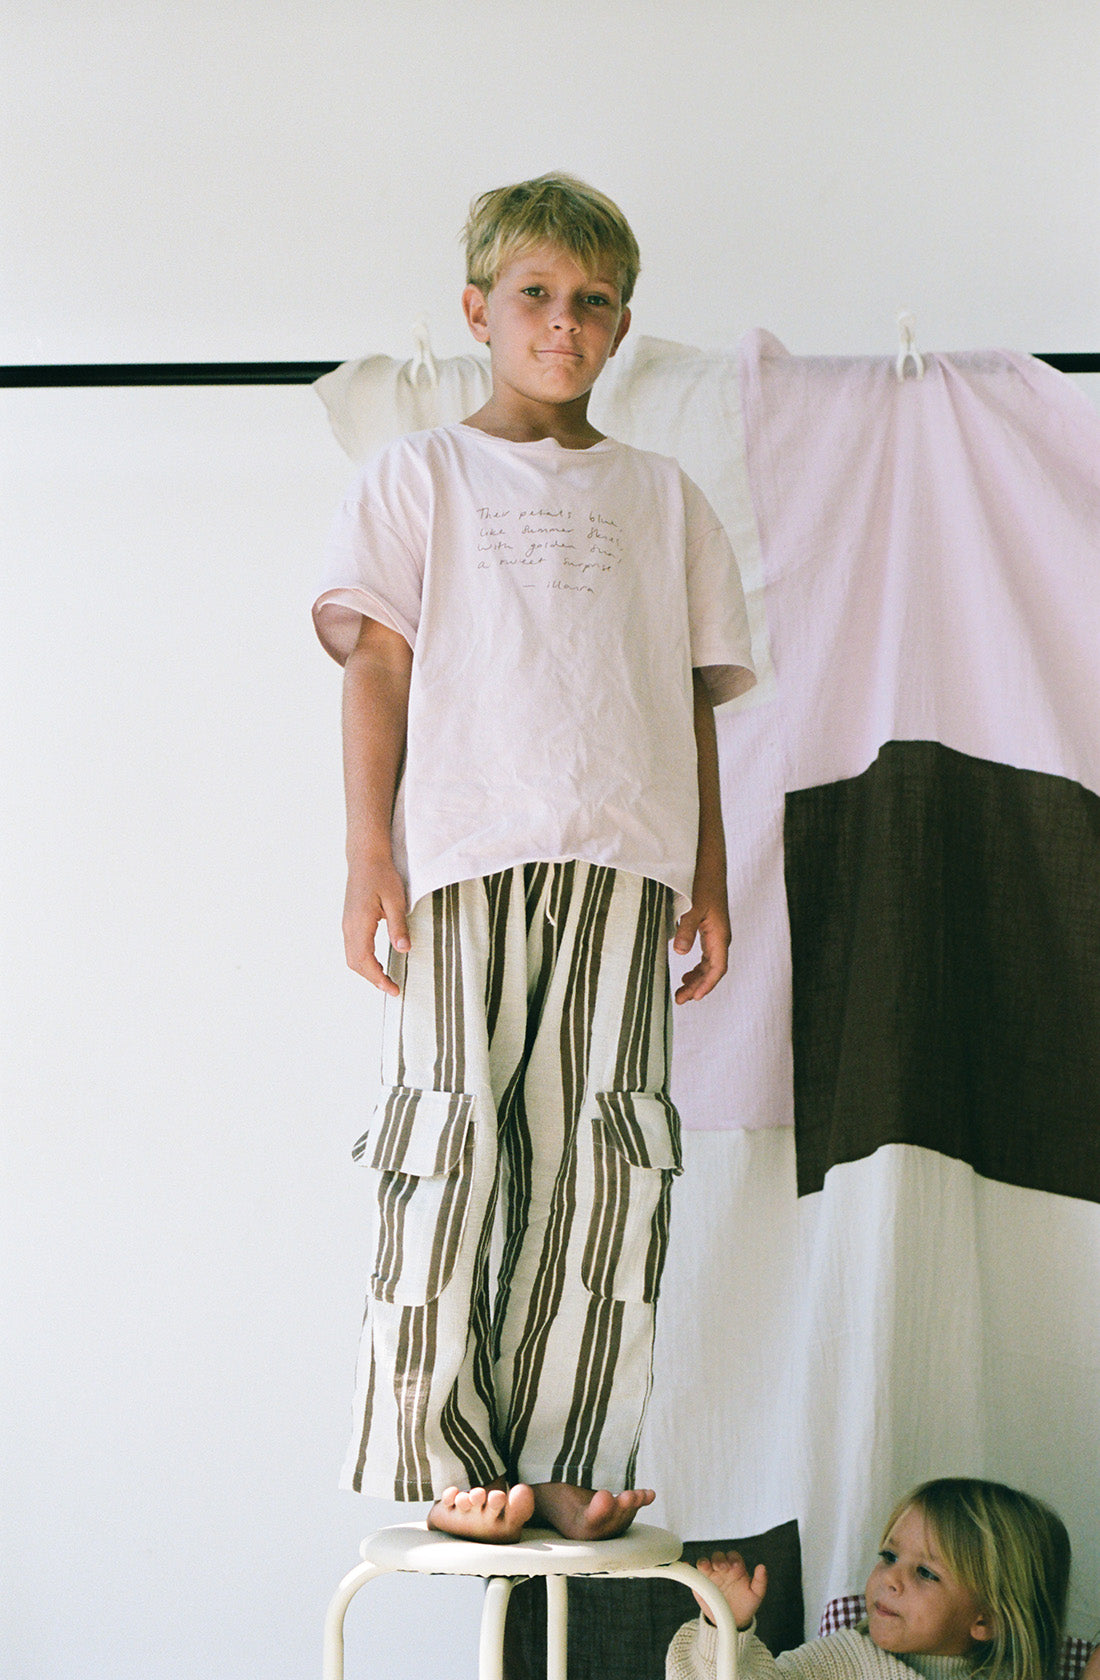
(621, 331)
(474, 304)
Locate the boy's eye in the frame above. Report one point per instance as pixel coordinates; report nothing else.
(887, 1557)
(532, 291)
(597, 298)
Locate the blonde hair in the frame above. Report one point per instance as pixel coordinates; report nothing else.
(1012, 1552)
(550, 210)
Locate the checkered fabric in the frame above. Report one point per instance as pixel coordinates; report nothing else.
(840, 1613)
(847, 1611)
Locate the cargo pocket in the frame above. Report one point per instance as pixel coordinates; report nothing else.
(420, 1145)
(636, 1155)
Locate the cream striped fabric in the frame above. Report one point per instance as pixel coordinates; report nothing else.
(522, 1157)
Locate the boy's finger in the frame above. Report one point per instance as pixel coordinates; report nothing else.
(359, 935)
(686, 930)
(376, 974)
(397, 926)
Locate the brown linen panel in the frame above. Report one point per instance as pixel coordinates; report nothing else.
(945, 938)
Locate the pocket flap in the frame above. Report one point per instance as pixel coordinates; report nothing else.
(422, 1133)
(645, 1129)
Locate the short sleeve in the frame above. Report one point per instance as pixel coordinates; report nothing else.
(721, 645)
(374, 562)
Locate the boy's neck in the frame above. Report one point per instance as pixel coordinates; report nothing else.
(524, 422)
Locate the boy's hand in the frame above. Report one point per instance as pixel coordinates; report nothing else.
(709, 919)
(374, 895)
(742, 1592)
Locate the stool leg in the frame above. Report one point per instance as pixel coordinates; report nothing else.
(333, 1666)
(490, 1656)
(557, 1627)
(728, 1641)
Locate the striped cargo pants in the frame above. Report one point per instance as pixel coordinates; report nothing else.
(522, 1155)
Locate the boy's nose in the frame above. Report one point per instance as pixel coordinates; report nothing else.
(565, 318)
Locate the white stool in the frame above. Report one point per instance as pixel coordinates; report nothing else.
(417, 1549)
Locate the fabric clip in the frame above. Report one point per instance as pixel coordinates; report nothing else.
(907, 347)
(423, 361)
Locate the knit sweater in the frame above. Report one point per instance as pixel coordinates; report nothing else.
(847, 1655)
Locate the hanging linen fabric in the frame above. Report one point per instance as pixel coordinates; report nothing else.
(885, 1259)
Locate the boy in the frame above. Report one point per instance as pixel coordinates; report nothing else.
(535, 621)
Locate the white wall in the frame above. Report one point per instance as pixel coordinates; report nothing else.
(188, 1061)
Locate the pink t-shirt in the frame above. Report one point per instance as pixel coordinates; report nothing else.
(556, 601)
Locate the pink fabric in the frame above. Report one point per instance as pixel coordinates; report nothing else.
(930, 552)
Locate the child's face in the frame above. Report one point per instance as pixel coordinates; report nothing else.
(550, 326)
(914, 1604)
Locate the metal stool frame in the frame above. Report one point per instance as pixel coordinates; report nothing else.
(643, 1552)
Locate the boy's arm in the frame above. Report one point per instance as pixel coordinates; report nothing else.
(375, 714)
(709, 913)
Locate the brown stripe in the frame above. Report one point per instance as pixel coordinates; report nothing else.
(450, 1063)
(457, 1189)
(596, 1366)
(610, 1205)
(658, 1240)
(467, 1446)
(514, 1143)
(575, 1042)
(513, 1129)
(397, 970)
(534, 879)
(368, 1414)
(498, 890)
(394, 1194)
(461, 1436)
(395, 1130)
(453, 1135)
(413, 1366)
(647, 986)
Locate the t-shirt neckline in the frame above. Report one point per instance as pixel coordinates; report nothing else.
(547, 444)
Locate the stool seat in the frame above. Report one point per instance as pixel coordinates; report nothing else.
(538, 1551)
(414, 1548)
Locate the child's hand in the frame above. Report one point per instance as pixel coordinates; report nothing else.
(709, 919)
(375, 894)
(742, 1592)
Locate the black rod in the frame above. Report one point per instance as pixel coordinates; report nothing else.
(166, 373)
(293, 373)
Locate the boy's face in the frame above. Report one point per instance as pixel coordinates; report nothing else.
(550, 326)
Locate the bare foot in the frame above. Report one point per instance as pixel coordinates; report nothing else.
(497, 1513)
(742, 1592)
(581, 1514)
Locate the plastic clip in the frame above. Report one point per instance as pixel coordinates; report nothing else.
(423, 361)
(907, 347)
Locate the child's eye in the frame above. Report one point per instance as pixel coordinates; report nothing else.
(598, 299)
(925, 1573)
(887, 1557)
(532, 291)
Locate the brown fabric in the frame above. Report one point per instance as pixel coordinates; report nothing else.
(620, 1630)
(945, 936)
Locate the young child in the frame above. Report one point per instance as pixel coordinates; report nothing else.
(971, 1579)
(536, 622)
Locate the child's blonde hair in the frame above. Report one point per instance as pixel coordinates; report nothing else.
(550, 210)
(1012, 1552)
